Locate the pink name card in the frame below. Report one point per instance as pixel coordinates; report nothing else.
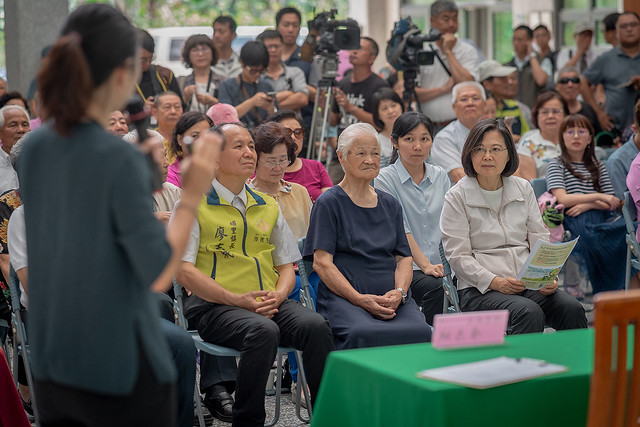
(469, 329)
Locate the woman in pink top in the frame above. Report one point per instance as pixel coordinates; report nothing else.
(191, 124)
(311, 174)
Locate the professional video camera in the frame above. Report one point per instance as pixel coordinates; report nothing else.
(327, 35)
(405, 48)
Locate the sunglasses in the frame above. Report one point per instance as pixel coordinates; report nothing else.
(565, 80)
(297, 132)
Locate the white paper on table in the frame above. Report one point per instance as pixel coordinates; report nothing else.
(544, 263)
(493, 372)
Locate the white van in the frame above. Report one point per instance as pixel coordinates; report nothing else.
(170, 40)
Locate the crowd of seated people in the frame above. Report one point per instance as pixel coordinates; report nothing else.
(373, 219)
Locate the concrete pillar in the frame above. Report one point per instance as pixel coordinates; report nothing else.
(29, 26)
(376, 18)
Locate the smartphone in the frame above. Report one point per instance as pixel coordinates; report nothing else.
(272, 94)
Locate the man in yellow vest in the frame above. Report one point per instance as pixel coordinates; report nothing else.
(239, 268)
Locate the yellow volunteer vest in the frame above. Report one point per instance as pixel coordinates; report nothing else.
(235, 250)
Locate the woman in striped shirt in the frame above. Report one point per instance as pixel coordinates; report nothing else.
(580, 182)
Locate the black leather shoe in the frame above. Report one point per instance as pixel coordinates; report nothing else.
(219, 403)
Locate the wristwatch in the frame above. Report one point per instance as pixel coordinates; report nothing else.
(404, 295)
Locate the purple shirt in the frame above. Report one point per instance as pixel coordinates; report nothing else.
(312, 175)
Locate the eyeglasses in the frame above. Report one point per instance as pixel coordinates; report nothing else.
(275, 163)
(494, 151)
(547, 111)
(565, 80)
(581, 132)
(628, 25)
(296, 132)
(200, 49)
(255, 70)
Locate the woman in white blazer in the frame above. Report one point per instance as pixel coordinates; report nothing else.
(489, 222)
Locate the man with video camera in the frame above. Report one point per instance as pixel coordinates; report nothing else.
(459, 64)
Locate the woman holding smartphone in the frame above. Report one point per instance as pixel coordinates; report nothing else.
(94, 246)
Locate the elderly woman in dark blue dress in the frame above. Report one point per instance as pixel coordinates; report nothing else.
(360, 251)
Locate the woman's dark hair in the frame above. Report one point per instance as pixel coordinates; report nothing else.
(281, 115)
(254, 54)
(184, 123)
(475, 138)
(267, 136)
(406, 123)
(195, 41)
(589, 158)
(385, 93)
(95, 40)
(4, 99)
(542, 99)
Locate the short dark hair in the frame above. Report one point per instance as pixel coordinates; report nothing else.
(4, 99)
(545, 97)
(475, 138)
(628, 12)
(146, 41)
(267, 136)
(156, 99)
(282, 115)
(385, 93)
(374, 46)
(253, 54)
(541, 27)
(269, 34)
(194, 41)
(186, 121)
(226, 19)
(609, 21)
(406, 123)
(526, 28)
(286, 10)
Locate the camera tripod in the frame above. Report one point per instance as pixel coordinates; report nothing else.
(328, 64)
(409, 94)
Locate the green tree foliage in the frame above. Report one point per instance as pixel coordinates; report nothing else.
(170, 13)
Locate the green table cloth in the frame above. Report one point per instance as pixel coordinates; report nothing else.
(379, 386)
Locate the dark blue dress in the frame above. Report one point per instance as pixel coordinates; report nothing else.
(364, 243)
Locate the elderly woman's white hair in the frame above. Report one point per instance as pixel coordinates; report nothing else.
(353, 132)
(132, 137)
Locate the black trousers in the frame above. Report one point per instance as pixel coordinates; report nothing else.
(257, 338)
(529, 311)
(151, 404)
(428, 293)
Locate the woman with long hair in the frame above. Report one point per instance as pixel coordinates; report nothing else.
(190, 125)
(95, 250)
(581, 183)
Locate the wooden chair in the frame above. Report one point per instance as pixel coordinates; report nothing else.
(614, 400)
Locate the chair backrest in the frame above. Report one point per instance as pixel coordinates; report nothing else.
(304, 269)
(614, 398)
(450, 291)
(539, 186)
(629, 213)
(14, 289)
(178, 304)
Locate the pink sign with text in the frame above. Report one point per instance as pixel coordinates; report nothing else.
(470, 329)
